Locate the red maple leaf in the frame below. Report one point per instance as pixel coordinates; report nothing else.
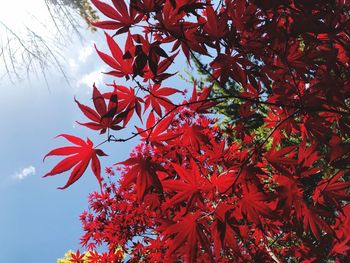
(223, 234)
(216, 27)
(223, 181)
(227, 66)
(128, 102)
(79, 157)
(200, 102)
(122, 19)
(145, 6)
(191, 185)
(187, 233)
(312, 221)
(253, 205)
(332, 191)
(290, 194)
(155, 69)
(157, 98)
(93, 257)
(120, 62)
(142, 172)
(104, 117)
(193, 136)
(281, 159)
(157, 134)
(77, 257)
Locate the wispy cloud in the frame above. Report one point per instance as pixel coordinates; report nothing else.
(73, 66)
(91, 78)
(28, 171)
(86, 52)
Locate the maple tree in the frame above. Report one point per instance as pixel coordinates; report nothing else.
(271, 184)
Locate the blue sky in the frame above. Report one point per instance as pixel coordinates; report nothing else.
(38, 222)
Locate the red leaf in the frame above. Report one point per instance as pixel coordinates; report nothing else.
(190, 187)
(311, 221)
(128, 102)
(200, 102)
(123, 67)
(99, 102)
(103, 118)
(254, 204)
(187, 233)
(119, 13)
(78, 157)
(142, 172)
(157, 97)
(160, 133)
(193, 136)
(331, 192)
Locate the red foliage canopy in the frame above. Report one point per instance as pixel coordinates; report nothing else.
(194, 191)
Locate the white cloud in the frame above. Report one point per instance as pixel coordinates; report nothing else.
(28, 171)
(85, 52)
(73, 66)
(91, 78)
